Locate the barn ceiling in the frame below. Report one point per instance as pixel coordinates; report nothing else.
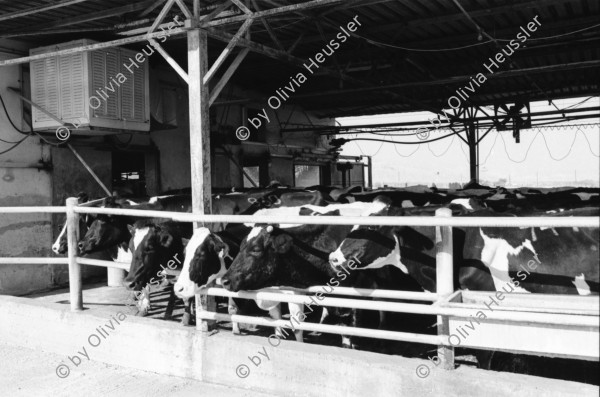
(406, 55)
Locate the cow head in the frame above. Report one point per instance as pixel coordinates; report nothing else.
(204, 262)
(106, 231)
(151, 245)
(60, 246)
(371, 247)
(267, 258)
(256, 263)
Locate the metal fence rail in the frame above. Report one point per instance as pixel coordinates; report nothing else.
(443, 222)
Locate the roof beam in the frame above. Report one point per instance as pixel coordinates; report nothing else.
(151, 8)
(345, 128)
(424, 84)
(161, 15)
(37, 10)
(549, 28)
(276, 11)
(214, 93)
(228, 49)
(74, 20)
(92, 47)
(268, 28)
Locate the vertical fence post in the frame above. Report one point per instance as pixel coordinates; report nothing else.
(444, 282)
(206, 303)
(75, 294)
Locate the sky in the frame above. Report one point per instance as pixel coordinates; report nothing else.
(566, 155)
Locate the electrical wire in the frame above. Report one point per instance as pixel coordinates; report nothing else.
(445, 151)
(579, 103)
(24, 133)
(14, 146)
(401, 143)
(10, 120)
(11, 142)
(363, 153)
(406, 156)
(545, 144)
(558, 35)
(379, 43)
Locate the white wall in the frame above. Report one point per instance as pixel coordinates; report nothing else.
(22, 234)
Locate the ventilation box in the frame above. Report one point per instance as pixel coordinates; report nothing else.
(99, 91)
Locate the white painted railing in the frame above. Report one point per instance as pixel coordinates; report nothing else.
(443, 221)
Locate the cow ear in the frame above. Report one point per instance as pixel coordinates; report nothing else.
(282, 243)
(131, 229)
(166, 239)
(219, 246)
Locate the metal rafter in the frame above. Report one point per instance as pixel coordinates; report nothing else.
(94, 16)
(37, 10)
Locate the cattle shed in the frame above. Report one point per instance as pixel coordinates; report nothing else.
(207, 97)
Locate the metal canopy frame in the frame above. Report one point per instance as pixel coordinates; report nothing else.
(198, 27)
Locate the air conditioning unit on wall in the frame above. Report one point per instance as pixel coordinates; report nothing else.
(99, 90)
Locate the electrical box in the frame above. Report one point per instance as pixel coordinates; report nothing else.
(104, 90)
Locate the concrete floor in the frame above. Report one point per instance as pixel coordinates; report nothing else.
(105, 301)
(99, 297)
(297, 369)
(27, 373)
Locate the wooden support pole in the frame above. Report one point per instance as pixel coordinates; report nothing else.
(225, 53)
(75, 294)
(186, 11)
(170, 60)
(444, 282)
(199, 145)
(165, 10)
(89, 169)
(199, 122)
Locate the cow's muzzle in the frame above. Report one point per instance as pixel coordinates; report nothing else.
(226, 283)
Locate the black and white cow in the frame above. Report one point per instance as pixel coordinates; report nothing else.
(486, 259)
(294, 256)
(114, 233)
(155, 245)
(520, 260)
(207, 258)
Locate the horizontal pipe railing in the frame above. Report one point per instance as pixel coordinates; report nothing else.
(103, 263)
(475, 306)
(503, 221)
(92, 202)
(548, 317)
(33, 261)
(364, 292)
(520, 317)
(34, 210)
(326, 328)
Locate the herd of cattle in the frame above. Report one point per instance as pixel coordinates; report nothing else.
(249, 257)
